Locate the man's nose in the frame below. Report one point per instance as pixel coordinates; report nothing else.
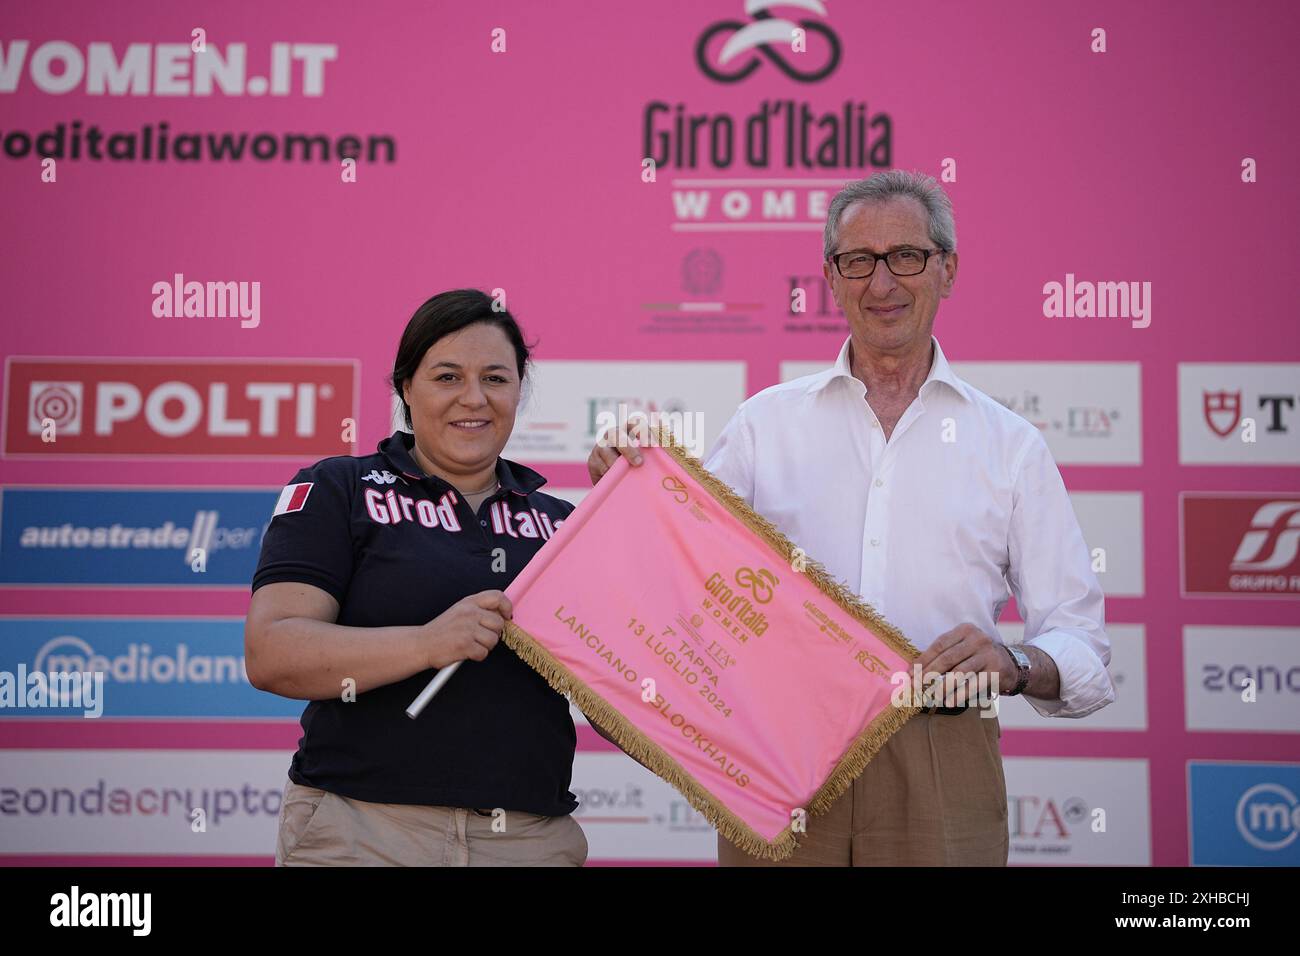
(882, 281)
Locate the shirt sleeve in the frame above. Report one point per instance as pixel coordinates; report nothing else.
(731, 459)
(1059, 597)
(309, 538)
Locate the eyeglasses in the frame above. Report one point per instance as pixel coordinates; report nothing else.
(859, 263)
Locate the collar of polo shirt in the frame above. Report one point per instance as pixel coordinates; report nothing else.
(512, 476)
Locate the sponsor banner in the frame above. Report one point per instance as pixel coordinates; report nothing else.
(572, 403)
(628, 813)
(1240, 544)
(192, 537)
(1078, 812)
(1242, 413)
(1128, 671)
(1242, 678)
(1089, 412)
(1243, 814)
(154, 407)
(152, 667)
(1112, 522)
(202, 803)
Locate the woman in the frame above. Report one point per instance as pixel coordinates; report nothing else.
(376, 571)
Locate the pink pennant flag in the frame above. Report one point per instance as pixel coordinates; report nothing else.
(710, 648)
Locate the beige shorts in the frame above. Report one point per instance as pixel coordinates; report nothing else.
(318, 828)
(935, 795)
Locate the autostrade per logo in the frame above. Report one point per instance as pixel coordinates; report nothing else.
(190, 537)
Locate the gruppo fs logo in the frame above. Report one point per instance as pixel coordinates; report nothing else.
(1273, 539)
(773, 37)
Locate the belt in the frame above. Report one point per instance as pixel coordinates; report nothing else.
(945, 711)
(482, 813)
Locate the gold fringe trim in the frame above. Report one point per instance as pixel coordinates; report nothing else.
(640, 747)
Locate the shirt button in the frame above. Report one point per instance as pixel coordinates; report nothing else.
(879, 483)
(875, 542)
(875, 424)
(483, 522)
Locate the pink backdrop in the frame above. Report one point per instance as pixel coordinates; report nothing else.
(522, 170)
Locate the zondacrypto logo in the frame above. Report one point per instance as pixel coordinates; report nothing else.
(734, 609)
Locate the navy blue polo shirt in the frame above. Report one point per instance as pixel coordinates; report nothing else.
(395, 547)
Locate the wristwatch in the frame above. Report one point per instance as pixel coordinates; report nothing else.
(1022, 665)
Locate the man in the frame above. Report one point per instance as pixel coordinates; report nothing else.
(935, 503)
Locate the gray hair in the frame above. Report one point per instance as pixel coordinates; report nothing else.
(896, 182)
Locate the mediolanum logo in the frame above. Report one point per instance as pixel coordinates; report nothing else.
(1244, 814)
(1268, 816)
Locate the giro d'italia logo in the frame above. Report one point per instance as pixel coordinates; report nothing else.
(784, 43)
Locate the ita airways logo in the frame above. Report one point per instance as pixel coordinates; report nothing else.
(1222, 412)
(1242, 545)
(781, 42)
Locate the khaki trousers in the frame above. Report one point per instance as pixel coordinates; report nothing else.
(318, 828)
(934, 795)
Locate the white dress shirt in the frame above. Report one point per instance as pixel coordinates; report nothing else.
(962, 507)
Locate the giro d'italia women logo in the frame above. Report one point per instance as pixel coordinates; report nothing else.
(783, 42)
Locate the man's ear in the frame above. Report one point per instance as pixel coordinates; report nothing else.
(949, 274)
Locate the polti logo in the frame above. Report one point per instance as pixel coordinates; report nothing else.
(1243, 545)
(148, 407)
(782, 42)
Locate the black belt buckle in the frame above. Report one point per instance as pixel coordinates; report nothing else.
(946, 711)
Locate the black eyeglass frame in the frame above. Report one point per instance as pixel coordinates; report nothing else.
(836, 257)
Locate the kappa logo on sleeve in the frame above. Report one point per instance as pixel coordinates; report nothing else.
(293, 498)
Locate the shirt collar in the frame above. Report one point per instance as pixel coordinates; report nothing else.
(396, 451)
(940, 371)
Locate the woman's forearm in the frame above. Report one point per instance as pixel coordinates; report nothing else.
(307, 659)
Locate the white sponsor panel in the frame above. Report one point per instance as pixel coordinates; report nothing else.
(1089, 412)
(628, 813)
(141, 801)
(572, 495)
(1242, 678)
(793, 370)
(1112, 521)
(1242, 413)
(572, 402)
(1078, 812)
(1128, 672)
